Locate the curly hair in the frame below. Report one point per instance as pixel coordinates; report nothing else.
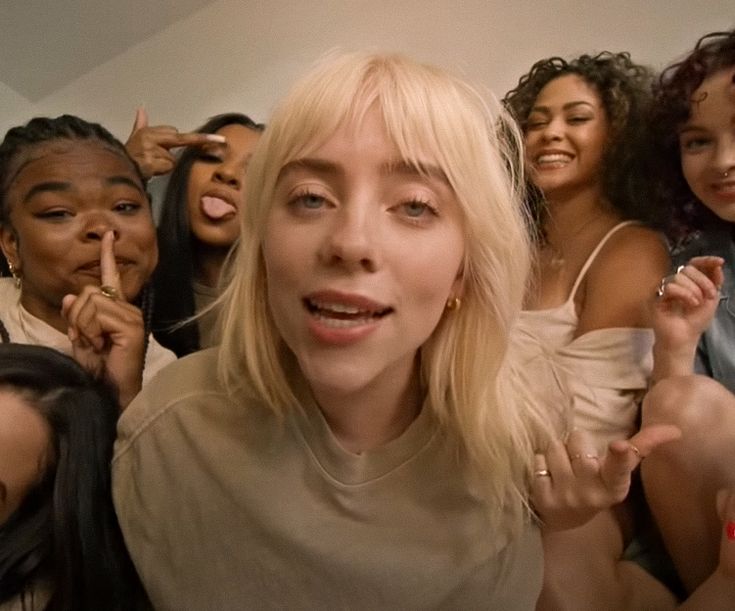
(673, 97)
(624, 88)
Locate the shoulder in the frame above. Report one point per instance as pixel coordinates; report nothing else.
(156, 358)
(184, 381)
(8, 292)
(633, 251)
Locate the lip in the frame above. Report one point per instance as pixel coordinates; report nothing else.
(93, 266)
(338, 318)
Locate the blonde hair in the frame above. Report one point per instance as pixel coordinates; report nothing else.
(467, 367)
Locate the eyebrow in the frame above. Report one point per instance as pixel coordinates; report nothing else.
(61, 187)
(567, 106)
(322, 166)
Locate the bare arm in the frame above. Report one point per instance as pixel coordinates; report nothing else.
(622, 280)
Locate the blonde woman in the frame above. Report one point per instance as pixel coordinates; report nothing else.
(361, 439)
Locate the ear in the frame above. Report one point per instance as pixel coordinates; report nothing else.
(9, 245)
(457, 289)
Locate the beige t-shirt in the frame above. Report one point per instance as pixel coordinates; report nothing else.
(223, 507)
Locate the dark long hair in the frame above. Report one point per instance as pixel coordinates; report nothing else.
(41, 130)
(175, 273)
(65, 533)
(624, 88)
(673, 98)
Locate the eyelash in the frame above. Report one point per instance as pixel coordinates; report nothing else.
(209, 158)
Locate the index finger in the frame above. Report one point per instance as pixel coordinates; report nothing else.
(109, 275)
(175, 139)
(710, 266)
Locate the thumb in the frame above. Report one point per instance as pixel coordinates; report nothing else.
(141, 120)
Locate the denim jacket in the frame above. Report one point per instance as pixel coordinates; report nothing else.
(716, 351)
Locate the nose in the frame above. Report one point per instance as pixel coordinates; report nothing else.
(552, 130)
(725, 156)
(97, 224)
(352, 239)
(229, 174)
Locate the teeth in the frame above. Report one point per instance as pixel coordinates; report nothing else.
(342, 323)
(553, 158)
(340, 308)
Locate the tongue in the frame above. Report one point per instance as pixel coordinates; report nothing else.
(216, 208)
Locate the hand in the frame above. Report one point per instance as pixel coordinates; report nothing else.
(572, 483)
(688, 301)
(106, 332)
(150, 147)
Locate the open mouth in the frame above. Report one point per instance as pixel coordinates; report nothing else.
(342, 315)
(217, 209)
(552, 160)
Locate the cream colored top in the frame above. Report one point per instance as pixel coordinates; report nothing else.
(24, 328)
(224, 507)
(608, 369)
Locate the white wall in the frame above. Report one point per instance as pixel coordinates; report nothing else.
(241, 55)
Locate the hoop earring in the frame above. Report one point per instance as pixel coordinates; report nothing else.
(454, 303)
(16, 275)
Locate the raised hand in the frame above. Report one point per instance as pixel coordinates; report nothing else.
(151, 146)
(685, 305)
(106, 332)
(572, 483)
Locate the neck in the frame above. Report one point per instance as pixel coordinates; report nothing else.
(373, 415)
(208, 262)
(569, 214)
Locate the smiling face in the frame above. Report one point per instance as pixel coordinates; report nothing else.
(63, 196)
(565, 137)
(362, 253)
(216, 186)
(707, 144)
(24, 441)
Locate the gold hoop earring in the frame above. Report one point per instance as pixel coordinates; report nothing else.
(454, 303)
(16, 275)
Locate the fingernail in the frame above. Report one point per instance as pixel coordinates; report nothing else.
(216, 138)
(730, 530)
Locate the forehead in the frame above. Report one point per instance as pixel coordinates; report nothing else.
(68, 161)
(716, 91)
(567, 88)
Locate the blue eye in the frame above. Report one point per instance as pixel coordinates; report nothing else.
(416, 209)
(310, 201)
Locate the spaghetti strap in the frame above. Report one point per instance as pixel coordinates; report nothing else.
(594, 254)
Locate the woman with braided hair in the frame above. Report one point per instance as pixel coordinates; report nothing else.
(78, 239)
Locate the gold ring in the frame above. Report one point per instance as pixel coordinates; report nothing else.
(109, 291)
(542, 473)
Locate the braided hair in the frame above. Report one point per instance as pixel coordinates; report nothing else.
(41, 130)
